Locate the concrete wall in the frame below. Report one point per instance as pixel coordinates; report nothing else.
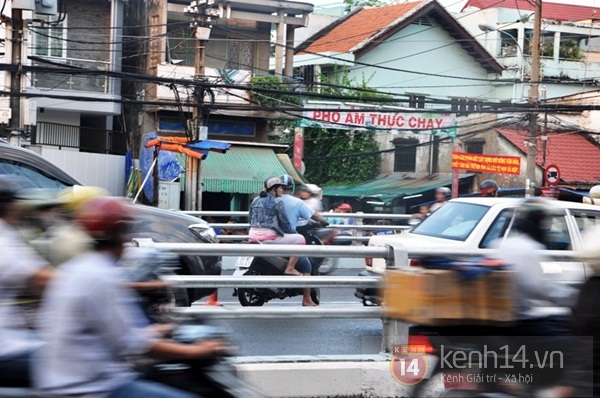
(421, 48)
(106, 171)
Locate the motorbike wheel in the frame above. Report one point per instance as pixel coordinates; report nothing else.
(315, 295)
(250, 297)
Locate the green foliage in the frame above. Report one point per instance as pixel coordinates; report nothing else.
(272, 100)
(322, 143)
(351, 4)
(568, 49)
(328, 143)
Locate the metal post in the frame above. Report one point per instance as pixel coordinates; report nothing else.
(16, 42)
(530, 180)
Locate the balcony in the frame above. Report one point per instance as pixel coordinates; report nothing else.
(75, 82)
(557, 68)
(85, 139)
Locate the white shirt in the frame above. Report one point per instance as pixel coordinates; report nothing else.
(522, 253)
(88, 321)
(18, 263)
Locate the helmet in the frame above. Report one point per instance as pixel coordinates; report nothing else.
(288, 182)
(73, 196)
(311, 188)
(595, 192)
(445, 190)
(590, 250)
(345, 206)
(488, 188)
(273, 182)
(531, 217)
(104, 218)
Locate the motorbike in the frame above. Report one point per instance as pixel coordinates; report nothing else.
(213, 377)
(314, 235)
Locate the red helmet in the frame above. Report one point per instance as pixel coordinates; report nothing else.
(104, 218)
(345, 206)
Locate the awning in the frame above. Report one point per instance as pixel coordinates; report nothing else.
(391, 186)
(290, 169)
(241, 170)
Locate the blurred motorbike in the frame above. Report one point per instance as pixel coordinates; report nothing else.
(214, 377)
(314, 235)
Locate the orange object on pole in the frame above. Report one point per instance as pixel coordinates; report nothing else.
(213, 299)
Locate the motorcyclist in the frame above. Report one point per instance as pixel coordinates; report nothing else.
(269, 222)
(310, 194)
(297, 210)
(88, 319)
(586, 314)
(544, 327)
(489, 188)
(442, 194)
(21, 269)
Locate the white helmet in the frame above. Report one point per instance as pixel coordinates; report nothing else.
(590, 251)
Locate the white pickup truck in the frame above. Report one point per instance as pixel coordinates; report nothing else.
(473, 223)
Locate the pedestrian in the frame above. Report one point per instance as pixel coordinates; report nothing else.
(442, 194)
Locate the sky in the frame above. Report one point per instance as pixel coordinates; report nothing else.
(456, 5)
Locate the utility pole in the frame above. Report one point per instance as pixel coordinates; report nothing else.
(530, 181)
(16, 40)
(202, 14)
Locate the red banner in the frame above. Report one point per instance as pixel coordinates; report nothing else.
(486, 163)
(298, 147)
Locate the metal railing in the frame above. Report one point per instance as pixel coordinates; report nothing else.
(396, 257)
(85, 139)
(355, 228)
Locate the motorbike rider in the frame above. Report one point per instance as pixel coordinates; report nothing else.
(21, 269)
(269, 222)
(586, 314)
(489, 188)
(546, 328)
(442, 194)
(310, 193)
(297, 210)
(88, 319)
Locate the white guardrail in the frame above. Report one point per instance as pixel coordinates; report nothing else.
(396, 257)
(356, 228)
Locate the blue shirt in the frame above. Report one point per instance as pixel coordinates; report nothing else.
(296, 209)
(269, 212)
(87, 319)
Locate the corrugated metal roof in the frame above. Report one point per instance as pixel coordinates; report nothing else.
(291, 170)
(390, 186)
(240, 170)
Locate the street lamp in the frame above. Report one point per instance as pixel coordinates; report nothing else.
(486, 27)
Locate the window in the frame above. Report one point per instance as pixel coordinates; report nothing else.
(586, 219)
(557, 236)
(416, 101)
(50, 37)
(498, 228)
(474, 146)
(464, 105)
(405, 156)
(181, 46)
(240, 55)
